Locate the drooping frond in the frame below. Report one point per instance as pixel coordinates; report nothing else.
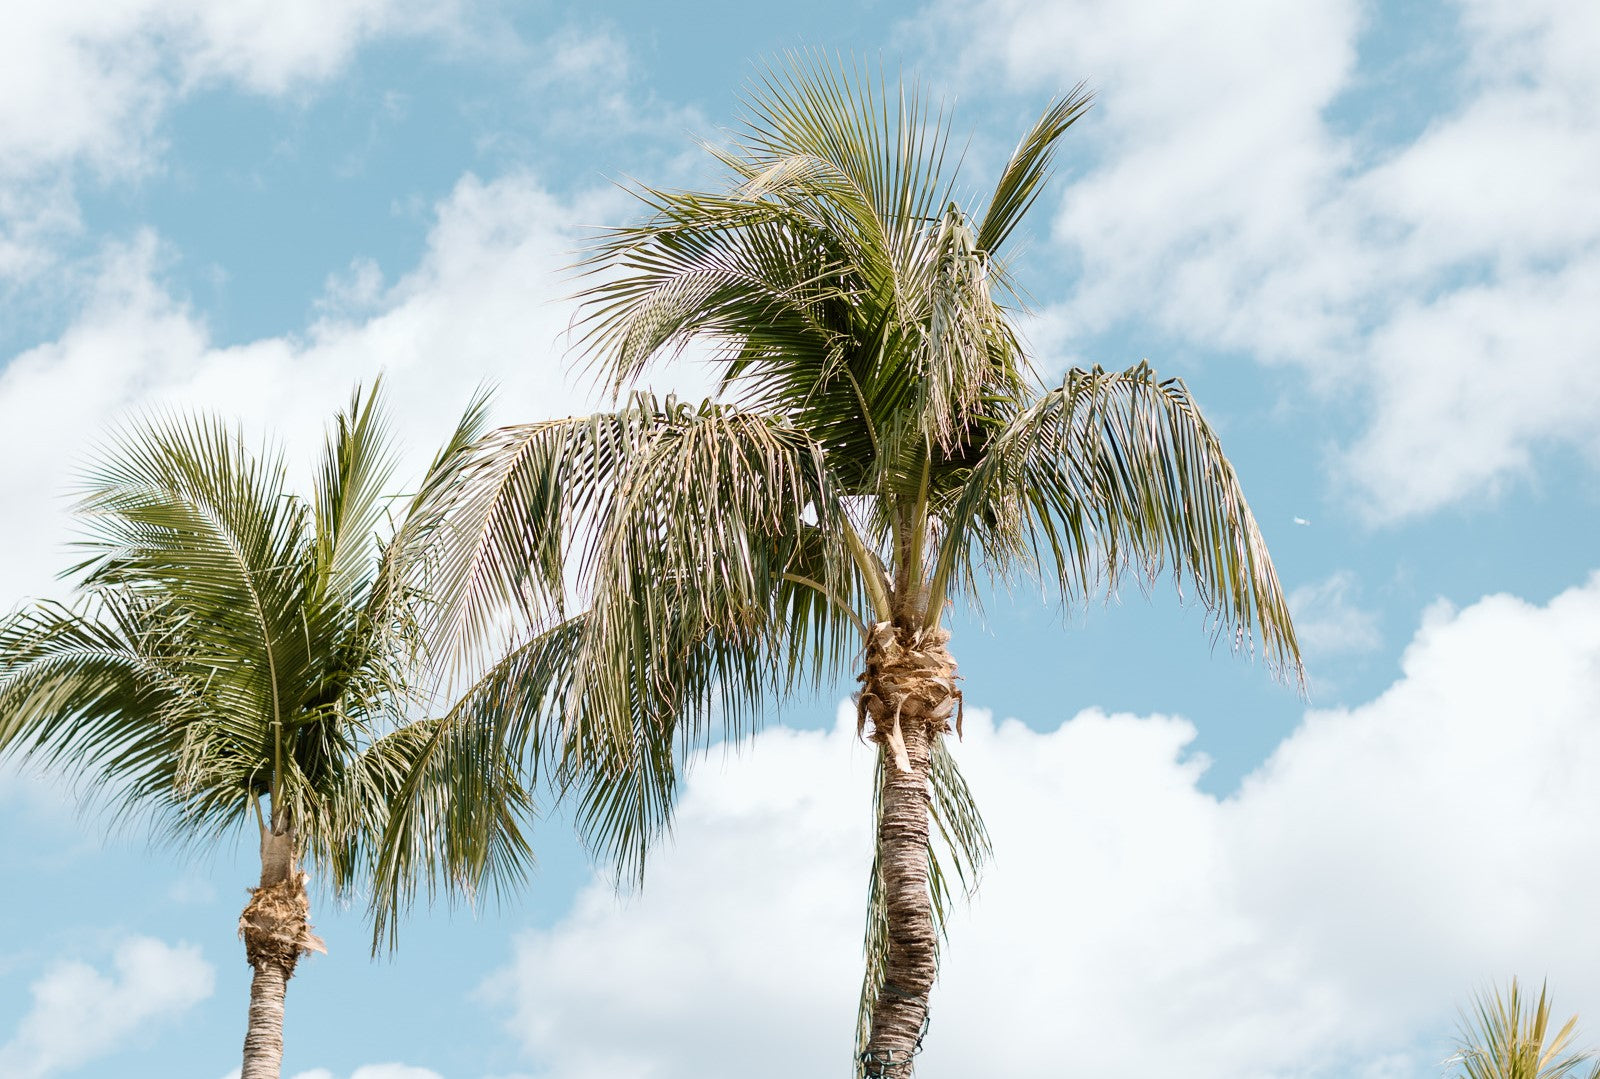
(705, 545)
(510, 511)
(1114, 471)
(686, 497)
(690, 559)
(441, 805)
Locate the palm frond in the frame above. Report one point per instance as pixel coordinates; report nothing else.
(1024, 177)
(181, 513)
(507, 514)
(1500, 1038)
(77, 694)
(1115, 471)
(715, 582)
(357, 464)
(441, 803)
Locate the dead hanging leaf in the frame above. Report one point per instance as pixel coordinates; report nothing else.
(897, 745)
(274, 924)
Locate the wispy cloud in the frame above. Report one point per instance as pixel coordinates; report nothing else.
(1328, 617)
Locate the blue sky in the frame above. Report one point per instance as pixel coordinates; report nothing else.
(1368, 236)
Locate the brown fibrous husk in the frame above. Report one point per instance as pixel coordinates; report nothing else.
(909, 679)
(275, 924)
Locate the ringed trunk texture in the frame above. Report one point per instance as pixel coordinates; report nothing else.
(909, 693)
(276, 933)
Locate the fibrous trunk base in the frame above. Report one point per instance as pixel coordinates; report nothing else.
(276, 932)
(909, 694)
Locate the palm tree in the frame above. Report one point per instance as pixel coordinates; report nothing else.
(237, 656)
(1499, 1040)
(879, 447)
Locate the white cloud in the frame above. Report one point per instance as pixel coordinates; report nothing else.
(84, 87)
(80, 1014)
(589, 87)
(1328, 619)
(1323, 921)
(733, 957)
(1447, 276)
(486, 303)
(1471, 384)
(374, 1071)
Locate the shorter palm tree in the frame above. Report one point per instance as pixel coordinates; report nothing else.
(237, 656)
(1499, 1040)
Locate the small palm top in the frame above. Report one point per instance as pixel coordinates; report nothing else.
(240, 657)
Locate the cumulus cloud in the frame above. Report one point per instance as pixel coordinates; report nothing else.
(1444, 275)
(80, 1013)
(734, 956)
(485, 304)
(1322, 921)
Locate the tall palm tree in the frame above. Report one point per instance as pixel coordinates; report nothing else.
(1500, 1040)
(239, 657)
(879, 447)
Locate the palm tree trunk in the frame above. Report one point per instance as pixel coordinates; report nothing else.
(909, 693)
(263, 1038)
(276, 933)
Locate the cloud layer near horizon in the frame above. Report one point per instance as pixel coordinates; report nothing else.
(1323, 921)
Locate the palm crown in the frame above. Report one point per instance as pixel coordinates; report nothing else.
(879, 445)
(1502, 1037)
(237, 653)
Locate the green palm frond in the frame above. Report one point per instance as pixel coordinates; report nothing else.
(80, 695)
(1502, 1038)
(233, 644)
(1109, 472)
(879, 440)
(181, 514)
(449, 807)
(1023, 179)
(356, 467)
